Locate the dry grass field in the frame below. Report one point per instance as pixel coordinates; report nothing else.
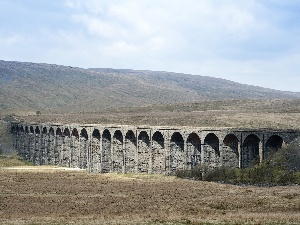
(51, 195)
(274, 114)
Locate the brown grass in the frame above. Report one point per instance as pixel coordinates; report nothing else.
(54, 196)
(276, 114)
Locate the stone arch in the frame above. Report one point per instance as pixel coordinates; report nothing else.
(75, 149)
(59, 146)
(37, 130)
(51, 131)
(26, 144)
(106, 151)
(129, 151)
(118, 155)
(95, 152)
(231, 151)
(22, 142)
(143, 152)
(273, 144)
(66, 132)
(75, 133)
(31, 144)
(58, 132)
(84, 134)
(177, 157)
(45, 148)
(212, 150)
(158, 153)
(83, 148)
(96, 134)
(193, 150)
(250, 151)
(38, 148)
(66, 149)
(51, 146)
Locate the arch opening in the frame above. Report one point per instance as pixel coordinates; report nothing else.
(193, 151)
(211, 151)
(106, 151)
(118, 156)
(96, 134)
(273, 144)
(75, 133)
(158, 156)
(67, 132)
(143, 152)
(250, 151)
(129, 151)
(58, 132)
(95, 152)
(177, 157)
(84, 134)
(51, 131)
(230, 151)
(37, 130)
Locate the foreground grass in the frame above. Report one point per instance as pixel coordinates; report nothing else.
(55, 197)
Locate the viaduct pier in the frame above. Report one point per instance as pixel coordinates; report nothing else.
(144, 149)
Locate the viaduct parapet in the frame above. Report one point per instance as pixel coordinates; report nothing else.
(144, 149)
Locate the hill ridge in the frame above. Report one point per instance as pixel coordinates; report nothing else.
(42, 86)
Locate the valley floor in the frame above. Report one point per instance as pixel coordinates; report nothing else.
(52, 195)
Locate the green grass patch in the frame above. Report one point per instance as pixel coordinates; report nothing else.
(13, 159)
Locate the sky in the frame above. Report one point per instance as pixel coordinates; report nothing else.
(254, 42)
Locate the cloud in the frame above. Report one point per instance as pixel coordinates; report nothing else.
(246, 41)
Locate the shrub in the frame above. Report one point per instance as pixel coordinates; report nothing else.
(281, 167)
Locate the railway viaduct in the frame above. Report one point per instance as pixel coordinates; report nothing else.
(144, 149)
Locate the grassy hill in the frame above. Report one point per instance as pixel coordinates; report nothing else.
(31, 87)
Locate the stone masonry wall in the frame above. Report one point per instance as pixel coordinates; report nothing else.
(128, 149)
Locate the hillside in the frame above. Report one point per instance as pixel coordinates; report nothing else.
(32, 86)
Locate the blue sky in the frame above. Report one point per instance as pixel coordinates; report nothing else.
(254, 42)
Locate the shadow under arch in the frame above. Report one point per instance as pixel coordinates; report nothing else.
(250, 151)
(193, 150)
(273, 144)
(177, 156)
(158, 153)
(95, 153)
(129, 151)
(118, 155)
(106, 151)
(143, 152)
(231, 151)
(212, 151)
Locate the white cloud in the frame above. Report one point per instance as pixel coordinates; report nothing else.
(247, 41)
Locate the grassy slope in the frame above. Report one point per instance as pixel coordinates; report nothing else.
(30, 86)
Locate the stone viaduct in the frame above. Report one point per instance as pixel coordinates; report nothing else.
(144, 149)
